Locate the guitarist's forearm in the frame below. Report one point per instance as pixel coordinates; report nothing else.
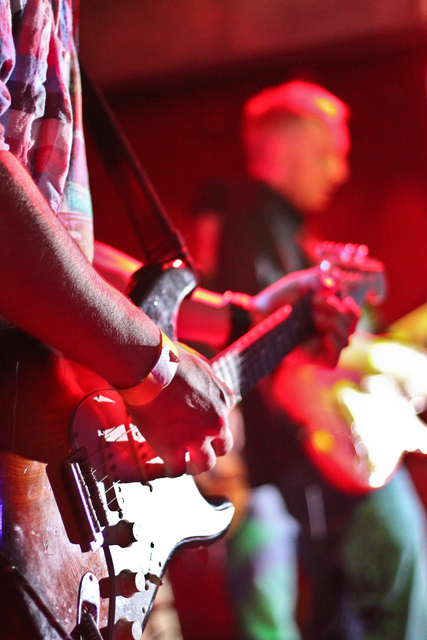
(332, 320)
(211, 318)
(208, 317)
(285, 291)
(50, 290)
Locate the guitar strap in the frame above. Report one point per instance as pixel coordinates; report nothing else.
(160, 241)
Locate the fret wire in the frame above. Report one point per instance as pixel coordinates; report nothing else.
(245, 366)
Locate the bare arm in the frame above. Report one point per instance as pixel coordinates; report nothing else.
(206, 317)
(51, 290)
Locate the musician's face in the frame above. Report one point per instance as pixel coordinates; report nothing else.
(311, 163)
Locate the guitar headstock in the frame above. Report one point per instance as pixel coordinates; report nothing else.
(357, 274)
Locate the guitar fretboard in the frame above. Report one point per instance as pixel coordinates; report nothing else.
(259, 351)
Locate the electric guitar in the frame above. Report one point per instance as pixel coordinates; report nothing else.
(358, 421)
(88, 519)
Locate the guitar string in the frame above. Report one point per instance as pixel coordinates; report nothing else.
(102, 469)
(246, 356)
(241, 366)
(259, 355)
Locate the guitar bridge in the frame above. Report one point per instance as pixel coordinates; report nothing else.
(75, 483)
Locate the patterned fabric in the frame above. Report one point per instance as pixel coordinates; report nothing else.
(40, 106)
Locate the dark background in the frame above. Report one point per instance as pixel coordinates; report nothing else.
(185, 130)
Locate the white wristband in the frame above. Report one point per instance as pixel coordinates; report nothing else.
(159, 377)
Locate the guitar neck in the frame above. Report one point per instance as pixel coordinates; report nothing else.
(258, 352)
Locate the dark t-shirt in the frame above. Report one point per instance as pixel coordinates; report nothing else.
(258, 240)
(257, 246)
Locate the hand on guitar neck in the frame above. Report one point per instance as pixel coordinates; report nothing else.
(344, 278)
(334, 322)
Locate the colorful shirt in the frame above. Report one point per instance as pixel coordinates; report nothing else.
(40, 106)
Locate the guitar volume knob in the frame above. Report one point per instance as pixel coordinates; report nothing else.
(124, 533)
(126, 584)
(129, 583)
(128, 630)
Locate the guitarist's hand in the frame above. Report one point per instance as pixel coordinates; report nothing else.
(186, 423)
(335, 320)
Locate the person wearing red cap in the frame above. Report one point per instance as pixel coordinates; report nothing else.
(366, 556)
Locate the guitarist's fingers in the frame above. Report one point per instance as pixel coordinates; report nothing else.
(332, 350)
(337, 332)
(175, 463)
(223, 445)
(353, 311)
(201, 459)
(334, 315)
(335, 321)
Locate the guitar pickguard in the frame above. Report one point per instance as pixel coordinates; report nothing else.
(149, 516)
